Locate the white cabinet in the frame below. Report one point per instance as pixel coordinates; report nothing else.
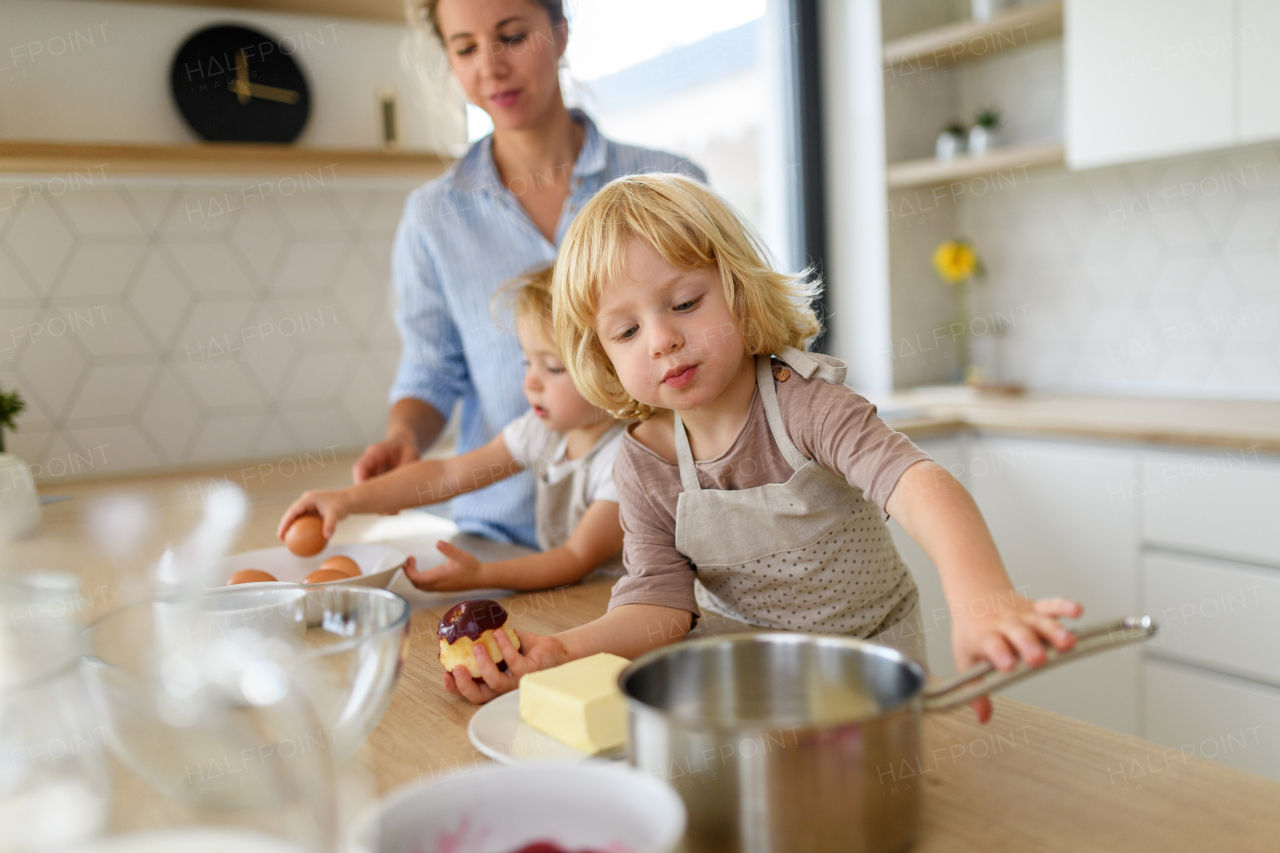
(1190, 537)
(1205, 715)
(950, 453)
(1064, 526)
(1213, 674)
(1148, 78)
(1259, 70)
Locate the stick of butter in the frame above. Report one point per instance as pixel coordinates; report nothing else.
(578, 703)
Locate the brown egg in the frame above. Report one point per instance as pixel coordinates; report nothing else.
(342, 564)
(249, 576)
(325, 575)
(305, 537)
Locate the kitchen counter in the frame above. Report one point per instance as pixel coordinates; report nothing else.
(1233, 424)
(1029, 780)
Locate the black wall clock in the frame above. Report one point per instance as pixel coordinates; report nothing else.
(234, 84)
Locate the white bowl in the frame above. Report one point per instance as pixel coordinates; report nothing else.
(378, 564)
(492, 809)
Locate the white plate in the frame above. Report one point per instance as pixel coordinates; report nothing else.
(497, 731)
(378, 564)
(416, 532)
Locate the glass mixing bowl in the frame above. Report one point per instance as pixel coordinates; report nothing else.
(342, 648)
(54, 783)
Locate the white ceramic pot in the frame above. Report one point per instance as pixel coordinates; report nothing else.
(982, 139)
(948, 145)
(19, 503)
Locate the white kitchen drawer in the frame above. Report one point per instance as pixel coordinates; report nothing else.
(1212, 716)
(1222, 615)
(1224, 502)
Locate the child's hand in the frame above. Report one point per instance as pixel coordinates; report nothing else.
(332, 506)
(536, 652)
(1010, 631)
(461, 571)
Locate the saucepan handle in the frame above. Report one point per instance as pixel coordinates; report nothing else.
(984, 677)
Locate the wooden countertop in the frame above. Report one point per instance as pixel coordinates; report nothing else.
(1029, 780)
(1233, 424)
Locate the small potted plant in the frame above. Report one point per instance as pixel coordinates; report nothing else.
(950, 142)
(985, 133)
(19, 504)
(10, 406)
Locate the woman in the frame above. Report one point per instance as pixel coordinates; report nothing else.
(497, 213)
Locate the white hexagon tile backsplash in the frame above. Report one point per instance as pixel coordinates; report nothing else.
(1158, 278)
(152, 325)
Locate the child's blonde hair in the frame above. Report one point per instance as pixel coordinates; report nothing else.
(691, 227)
(529, 297)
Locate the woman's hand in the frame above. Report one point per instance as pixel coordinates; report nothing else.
(385, 456)
(536, 652)
(1009, 631)
(332, 506)
(461, 571)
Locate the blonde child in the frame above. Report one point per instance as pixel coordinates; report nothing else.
(756, 485)
(569, 444)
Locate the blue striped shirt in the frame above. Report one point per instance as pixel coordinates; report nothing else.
(461, 237)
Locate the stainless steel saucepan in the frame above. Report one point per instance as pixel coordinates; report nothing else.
(794, 742)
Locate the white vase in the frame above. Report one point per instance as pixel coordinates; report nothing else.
(984, 10)
(19, 503)
(948, 145)
(982, 139)
(984, 354)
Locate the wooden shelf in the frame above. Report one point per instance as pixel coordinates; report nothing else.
(369, 10)
(931, 172)
(226, 158)
(974, 39)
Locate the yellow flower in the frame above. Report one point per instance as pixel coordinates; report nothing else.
(955, 261)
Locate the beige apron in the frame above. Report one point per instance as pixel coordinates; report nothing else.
(559, 506)
(810, 554)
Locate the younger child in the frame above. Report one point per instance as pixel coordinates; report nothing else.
(569, 444)
(757, 485)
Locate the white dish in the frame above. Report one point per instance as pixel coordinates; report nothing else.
(492, 809)
(416, 532)
(498, 731)
(378, 564)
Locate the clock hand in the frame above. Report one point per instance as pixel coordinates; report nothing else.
(242, 78)
(273, 93)
(245, 90)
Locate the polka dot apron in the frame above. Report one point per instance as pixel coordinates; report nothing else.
(810, 554)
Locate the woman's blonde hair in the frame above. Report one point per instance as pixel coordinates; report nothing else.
(690, 227)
